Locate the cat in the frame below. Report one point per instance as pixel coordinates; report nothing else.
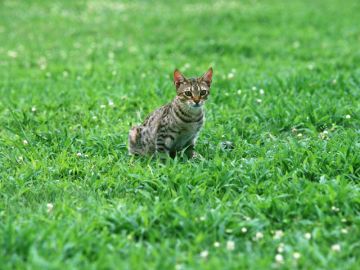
(174, 127)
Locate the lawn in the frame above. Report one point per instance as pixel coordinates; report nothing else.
(74, 77)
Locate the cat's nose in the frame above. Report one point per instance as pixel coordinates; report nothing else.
(197, 101)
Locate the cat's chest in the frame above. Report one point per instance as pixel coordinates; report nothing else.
(185, 134)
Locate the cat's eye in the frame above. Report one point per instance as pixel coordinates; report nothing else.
(188, 93)
(203, 92)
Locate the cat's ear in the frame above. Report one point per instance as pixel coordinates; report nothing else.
(178, 78)
(207, 77)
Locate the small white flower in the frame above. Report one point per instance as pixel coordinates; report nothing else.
(230, 75)
(279, 258)
(300, 135)
(296, 255)
(259, 235)
(239, 92)
(335, 209)
(348, 116)
(12, 54)
(261, 91)
(258, 100)
(33, 109)
(254, 88)
(230, 245)
(204, 254)
(228, 230)
(65, 74)
(187, 65)
(243, 229)
(334, 81)
(78, 154)
(49, 207)
(336, 247)
(311, 66)
(179, 267)
(111, 103)
(280, 248)
(94, 117)
(344, 231)
(307, 236)
(202, 218)
(343, 220)
(278, 234)
(102, 106)
(216, 244)
(25, 142)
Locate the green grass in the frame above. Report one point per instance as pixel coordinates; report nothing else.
(296, 162)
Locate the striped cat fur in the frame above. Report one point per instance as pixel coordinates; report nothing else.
(175, 126)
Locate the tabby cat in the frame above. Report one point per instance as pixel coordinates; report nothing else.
(174, 127)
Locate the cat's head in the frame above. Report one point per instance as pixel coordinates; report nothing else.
(193, 91)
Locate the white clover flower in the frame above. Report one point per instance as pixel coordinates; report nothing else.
(49, 207)
(230, 75)
(344, 231)
(343, 220)
(102, 106)
(307, 236)
(336, 247)
(239, 91)
(94, 118)
(243, 229)
(33, 109)
(296, 44)
(111, 103)
(12, 54)
(296, 255)
(279, 258)
(228, 230)
(78, 154)
(300, 135)
(65, 74)
(261, 91)
(254, 88)
(202, 218)
(258, 100)
(278, 234)
(334, 81)
(216, 244)
(335, 209)
(204, 254)
(25, 142)
(280, 248)
(259, 235)
(230, 245)
(348, 116)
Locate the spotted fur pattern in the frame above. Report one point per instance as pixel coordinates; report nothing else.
(174, 127)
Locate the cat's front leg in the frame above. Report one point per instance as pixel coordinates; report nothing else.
(163, 145)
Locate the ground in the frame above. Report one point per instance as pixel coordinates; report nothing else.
(74, 77)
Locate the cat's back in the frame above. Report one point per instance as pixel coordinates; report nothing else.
(157, 116)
